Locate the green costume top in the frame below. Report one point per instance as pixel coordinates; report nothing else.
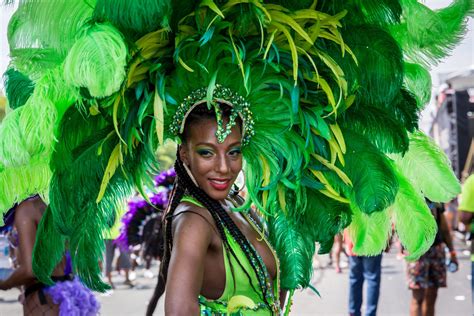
(239, 298)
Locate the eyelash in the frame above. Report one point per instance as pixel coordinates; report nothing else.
(207, 153)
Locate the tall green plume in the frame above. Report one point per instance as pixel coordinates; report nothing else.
(415, 225)
(18, 88)
(428, 169)
(374, 183)
(370, 233)
(97, 61)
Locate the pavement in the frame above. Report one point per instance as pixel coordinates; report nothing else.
(455, 300)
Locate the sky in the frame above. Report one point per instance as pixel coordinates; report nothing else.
(462, 57)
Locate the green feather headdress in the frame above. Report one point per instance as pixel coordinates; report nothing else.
(334, 89)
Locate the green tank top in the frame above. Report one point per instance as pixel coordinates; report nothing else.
(239, 298)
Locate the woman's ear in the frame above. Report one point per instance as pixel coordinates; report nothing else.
(183, 154)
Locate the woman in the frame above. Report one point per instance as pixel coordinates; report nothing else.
(428, 274)
(205, 265)
(68, 296)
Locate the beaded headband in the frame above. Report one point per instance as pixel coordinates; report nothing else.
(240, 107)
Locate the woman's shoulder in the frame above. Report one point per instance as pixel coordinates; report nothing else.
(193, 216)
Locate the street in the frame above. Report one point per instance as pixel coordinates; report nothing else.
(394, 297)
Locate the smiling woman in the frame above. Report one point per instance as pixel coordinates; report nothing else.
(212, 253)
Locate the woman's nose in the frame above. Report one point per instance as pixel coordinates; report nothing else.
(222, 165)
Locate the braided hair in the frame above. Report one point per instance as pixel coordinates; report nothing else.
(185, 185)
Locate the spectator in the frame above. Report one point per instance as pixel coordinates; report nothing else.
(363, 268)
(428, 274)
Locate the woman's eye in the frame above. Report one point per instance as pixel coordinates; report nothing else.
(235, 152)
(204, 153)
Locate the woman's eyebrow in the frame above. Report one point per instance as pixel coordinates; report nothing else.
(205, 144)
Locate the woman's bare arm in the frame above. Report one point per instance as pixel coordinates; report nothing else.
(26, 226)
(191, 240)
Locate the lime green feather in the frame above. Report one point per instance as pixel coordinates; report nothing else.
(369, 233)
(415, 225)
(50, 26)
(428, 169)
(97, 61)
(34, 177)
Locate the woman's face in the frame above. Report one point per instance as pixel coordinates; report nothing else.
(214, 165)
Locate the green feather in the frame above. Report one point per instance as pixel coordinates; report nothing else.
(97, 61)
(43, 265)
(35, 180)
(374, 183)
(18, 88)
(378, 126)
(436, 36)
(380, 11)
(369, 233)
(428, 169)
(415, 225)
(323, 218)
(295, 250)
(50, 26)
(379, 73)
(134, 18)
(417, 81)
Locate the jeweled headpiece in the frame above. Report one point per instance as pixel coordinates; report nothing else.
(240, 107)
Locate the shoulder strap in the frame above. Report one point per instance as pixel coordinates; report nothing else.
(192, 200)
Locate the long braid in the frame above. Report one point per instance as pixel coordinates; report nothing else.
(176, 195)
(221, 217)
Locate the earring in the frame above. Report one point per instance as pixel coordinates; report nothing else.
(190, 174)
(235, 188)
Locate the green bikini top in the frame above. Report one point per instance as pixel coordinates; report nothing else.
(239, 298)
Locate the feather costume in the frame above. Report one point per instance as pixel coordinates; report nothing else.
(330, 93)
(138, 223)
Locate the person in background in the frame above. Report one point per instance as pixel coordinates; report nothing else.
(428, 273)
(363, 268)
(466, 209)
(124, 261)
(67, 296)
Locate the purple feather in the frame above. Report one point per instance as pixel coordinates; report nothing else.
(73, 298)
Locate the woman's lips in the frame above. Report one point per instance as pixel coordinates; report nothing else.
(220, 184)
